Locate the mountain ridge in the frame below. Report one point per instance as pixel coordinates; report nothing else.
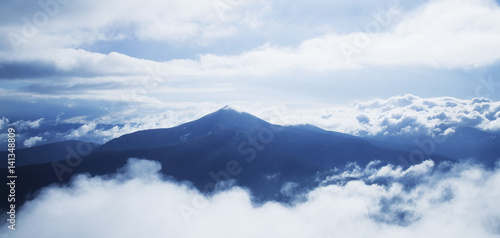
(208, 150)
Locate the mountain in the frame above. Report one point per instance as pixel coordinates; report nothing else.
(223, 119)
(464, 143)
(224, 145)
(48, 152)
(468, 142)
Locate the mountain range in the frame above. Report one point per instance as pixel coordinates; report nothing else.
(228, 147)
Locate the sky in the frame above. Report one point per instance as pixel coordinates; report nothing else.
(116, 62)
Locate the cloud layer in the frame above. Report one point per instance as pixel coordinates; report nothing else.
(405, 116)
(78, 23)
(137, 201)
(437, 34)
(399, 115)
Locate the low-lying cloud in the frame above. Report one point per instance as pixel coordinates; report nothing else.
(32, 141)
(449, 200)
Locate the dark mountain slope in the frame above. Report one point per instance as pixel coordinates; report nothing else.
(220, 146)
(48, 152)
(225, 118)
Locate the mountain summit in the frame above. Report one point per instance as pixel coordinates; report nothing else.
(221, 146)
(220, 120)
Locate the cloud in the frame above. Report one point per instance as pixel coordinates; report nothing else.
(406, 115)
(23, 125)
(276, 69)
(442, 34)
(80, 23)
(4, 121)
(372, 172)
(137, 201)
(439, 34)
(32, 141)
(111, 126)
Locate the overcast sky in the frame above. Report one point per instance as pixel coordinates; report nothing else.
(74, 59)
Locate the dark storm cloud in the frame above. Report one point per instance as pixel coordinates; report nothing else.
(55, 89)
(23, 70)
(39, 69)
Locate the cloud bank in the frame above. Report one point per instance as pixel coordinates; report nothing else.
(405, 116)
(78, 23)
(398, 115)
(442, 34)
(457, 200)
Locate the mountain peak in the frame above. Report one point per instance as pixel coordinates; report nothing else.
(232, 118)
(227, 111)
(228, 108)
(225, 118)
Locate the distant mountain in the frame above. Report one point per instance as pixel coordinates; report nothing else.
(51, 132)
(220, 146)
(464, 143)
(468, 142)
(49, 152)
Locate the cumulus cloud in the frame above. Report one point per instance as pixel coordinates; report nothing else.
(23, 125)
(398, 115)
(457, 201)
(32, 141)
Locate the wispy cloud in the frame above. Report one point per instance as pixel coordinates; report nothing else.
(32, 141)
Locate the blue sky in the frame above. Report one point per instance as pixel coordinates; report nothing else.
(81, 61)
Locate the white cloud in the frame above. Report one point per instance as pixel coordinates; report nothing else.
(439, 34)
(22, 125)
(174, 115)
(398, 115)
(80, 132)
(288, 188)
(35, 124)
(4, 121)
(458, 203)
(77, 23)
(373, 171)
(32, 141)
